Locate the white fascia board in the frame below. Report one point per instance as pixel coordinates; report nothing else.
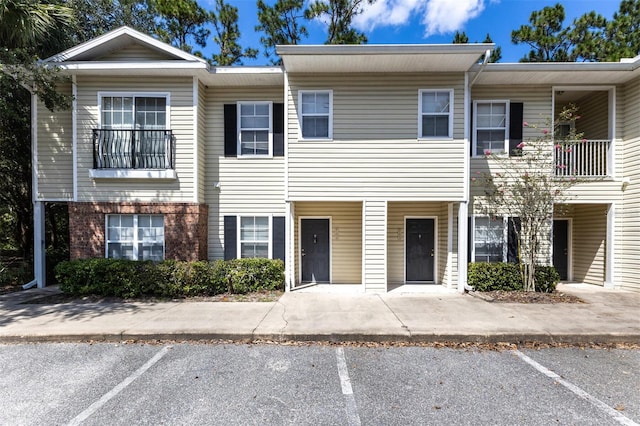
(386, 49)
(247, 70)
(131, 66)
(105, 38)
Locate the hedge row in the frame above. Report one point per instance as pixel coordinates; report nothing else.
(485, 276)
(169, 278)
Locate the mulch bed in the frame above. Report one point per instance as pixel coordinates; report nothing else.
(528, 297)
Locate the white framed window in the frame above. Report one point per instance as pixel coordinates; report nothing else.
(255, 132)
(120, 110)
(316, 114)
(435, 119)
(490, 127)
(489, 239)
(254, 236)
(135, 237)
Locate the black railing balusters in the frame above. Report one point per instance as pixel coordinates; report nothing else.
(132, 149)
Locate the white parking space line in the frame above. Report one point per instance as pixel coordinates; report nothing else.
(616, 415)
(345, 382)
(121, 386)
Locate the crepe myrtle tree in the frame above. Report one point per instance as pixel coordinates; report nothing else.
(528, 184)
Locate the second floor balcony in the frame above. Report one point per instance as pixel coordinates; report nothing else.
(133, 149)
(583, 159)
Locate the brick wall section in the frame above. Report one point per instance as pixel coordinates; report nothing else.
(185, 227)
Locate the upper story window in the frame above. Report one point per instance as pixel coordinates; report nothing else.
(316, 109)
(436, 114)
(491, 124)
(135, 237)
(134, 112)
(254, 128)
(133, 133)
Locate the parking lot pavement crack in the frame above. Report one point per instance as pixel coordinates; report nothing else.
(402, 324)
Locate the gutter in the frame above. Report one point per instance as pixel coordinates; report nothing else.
(487, 55)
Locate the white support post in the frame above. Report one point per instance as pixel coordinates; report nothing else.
(463, 212)
(450, 245)
(39, 268)
(288, 246)
(609, 279)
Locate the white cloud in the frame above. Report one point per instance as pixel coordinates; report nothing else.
(446, 16)
(438, 16)
(387, 13)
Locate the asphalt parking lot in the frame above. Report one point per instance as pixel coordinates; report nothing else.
(125, 384)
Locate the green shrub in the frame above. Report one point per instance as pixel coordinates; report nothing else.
(249, 275)
(170, 278)
(506, 276)
(485, 276)
(547, 278)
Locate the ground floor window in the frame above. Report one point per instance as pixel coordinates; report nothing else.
(135, 237)
(254, 236)
(489, 239)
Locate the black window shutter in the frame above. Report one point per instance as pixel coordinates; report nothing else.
(278, 236)
(469, 239)
(278, 130)
(512, 240)
(230, 130)
(516, 118)
(230, 237)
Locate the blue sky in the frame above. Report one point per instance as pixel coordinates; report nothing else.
(428, 21)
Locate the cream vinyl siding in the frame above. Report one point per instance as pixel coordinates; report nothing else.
(397, 212)
(589, 242)
(346, 238)
(375, 246)
(180, 122)
(375, 152)
(55, 152)
(253, 186)
(630, 212)
(202, 136)
(594, 115)
(136, 52)
(537, 107)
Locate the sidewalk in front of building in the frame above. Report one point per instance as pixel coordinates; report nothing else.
(607, 316)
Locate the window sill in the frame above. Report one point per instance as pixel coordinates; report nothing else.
(132, 174)
(249, 156)
(316, 140)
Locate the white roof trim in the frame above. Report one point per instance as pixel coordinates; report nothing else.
(130, 65)
(382, 49)
(247, 70)
(73, 52)
(625, 64)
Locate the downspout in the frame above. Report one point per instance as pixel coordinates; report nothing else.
(487, 56)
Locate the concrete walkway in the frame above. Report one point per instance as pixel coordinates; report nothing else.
(608, 316)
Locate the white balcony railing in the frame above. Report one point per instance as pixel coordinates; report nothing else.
(585, 158)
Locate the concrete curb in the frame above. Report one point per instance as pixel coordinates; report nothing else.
(494, 338)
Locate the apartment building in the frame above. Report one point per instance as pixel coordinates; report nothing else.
(350, 163)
